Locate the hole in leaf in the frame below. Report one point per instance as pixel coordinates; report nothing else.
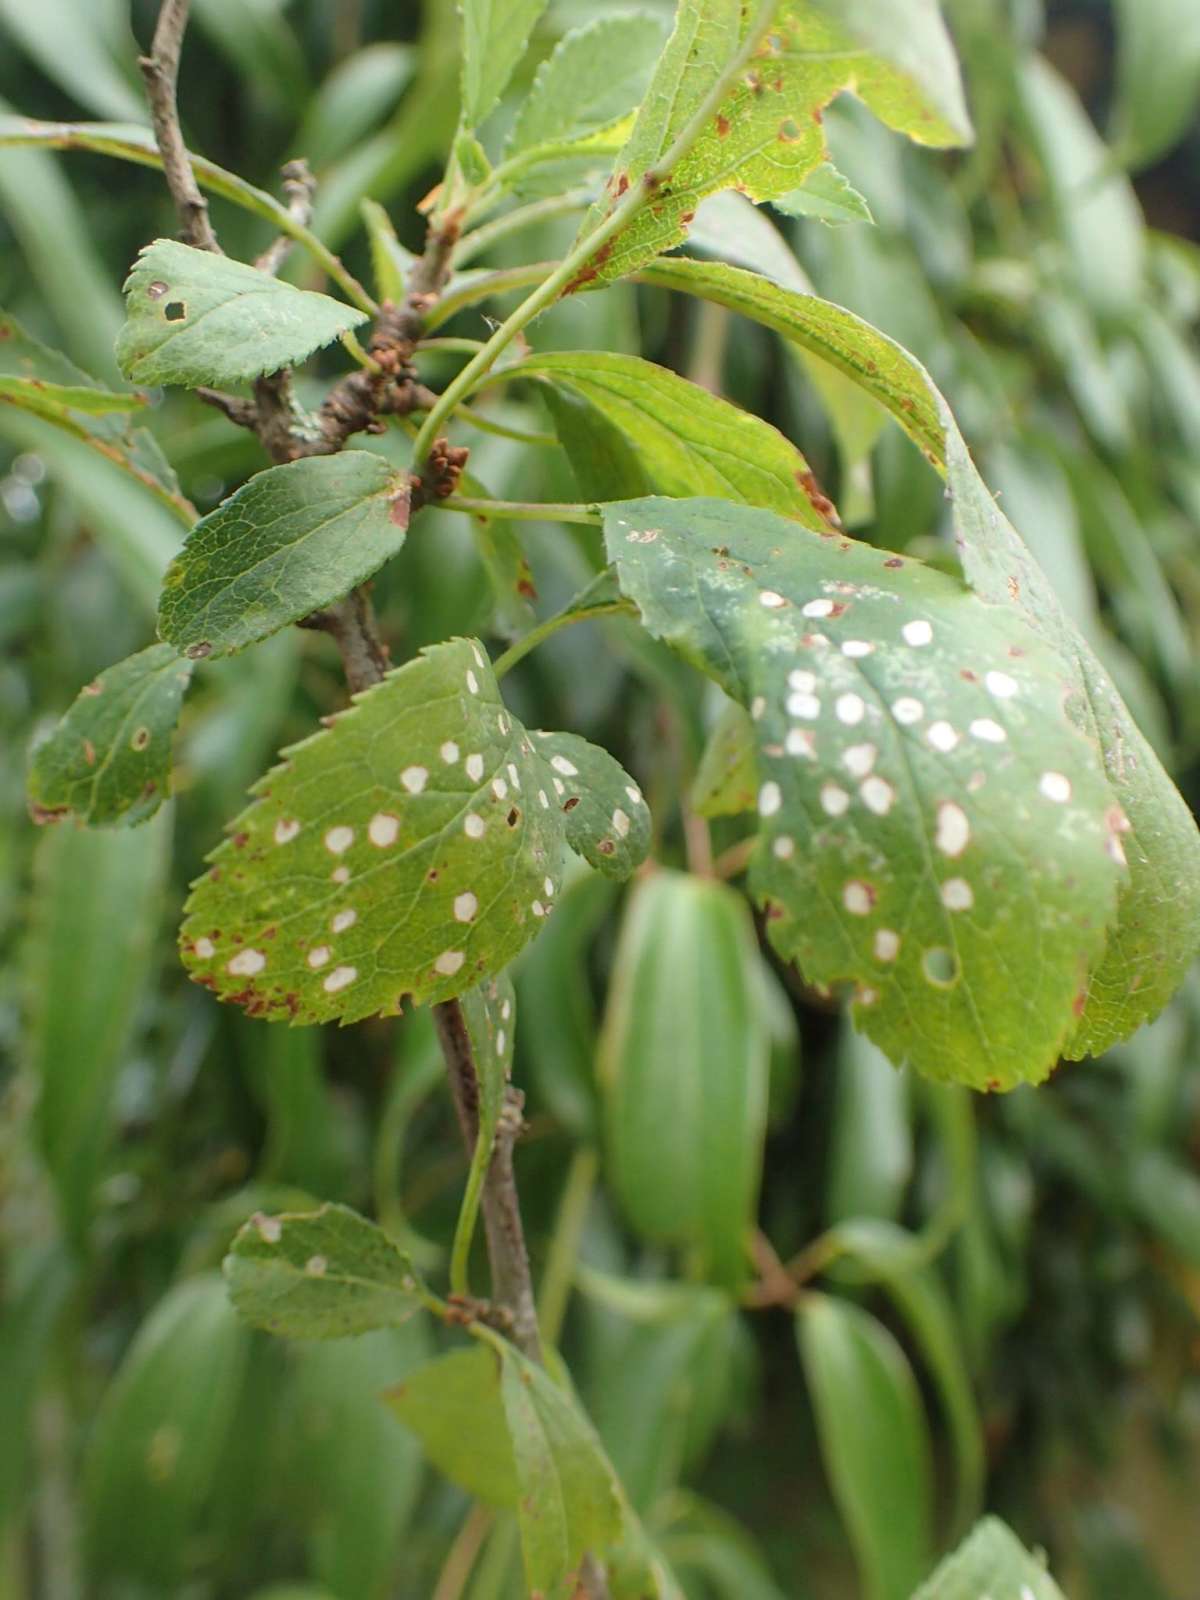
(941, 967)
(514, 816)
(176, 311)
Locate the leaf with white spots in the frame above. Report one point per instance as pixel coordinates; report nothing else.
(629, 426)
(1156, 935)
(326, 1274)
(403, 853)
(992, 1562)
(293, 539)
(933, 827)
(109, 759)
(195, 318)
(607, 818)
(764, 136)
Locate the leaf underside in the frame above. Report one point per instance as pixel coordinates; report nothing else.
(196, 318)
(409, 851)
(109, 759)
(934, 830)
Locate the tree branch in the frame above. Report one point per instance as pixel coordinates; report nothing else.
(160, 70)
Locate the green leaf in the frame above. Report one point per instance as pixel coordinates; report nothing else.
(495, 34)
(502, 1430)
(42, 381)
(991, 1562)
(160, 1433)
(88, 958)
(595, 75)
(109, 759)
(325, 1274)
(196, 318)
(683, 1065)
(932, 825)
(38, 1284)
(607, 819)
(1158, 77)
(1157, 933)
(390, 261)
(726, 781)
(870, 1134)
(827, 196)
(627, 424)
(71, 42)
(409, 851)
(293, 539)
(874, 1441)
(764, 135)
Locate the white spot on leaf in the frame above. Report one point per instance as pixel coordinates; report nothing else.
(319, 957)
(784, 847)
(887, 944)
(859, 759)
(818, 608)
(877, 795)
(851, 709)
(942, 736)
(343, 920)
(414, 779)
(473, 826)
(917, 633)
(771, 600)
(858, 898)
(856, 648)
(474, 767)
(465, 907)
(339, 978)
(953, 830)
(472, 682)
(449, 752)
(449, 962)
(1055, 787)
(567, 768)
(286, 830)
(907, 710)
(770, 798)
(834, 800)
(246, 963)
(987, 730)
(338, 840)
(957, 895)
(801, 742)
(383, 829)
(620, 823)
(1001, 685)
(205, 949)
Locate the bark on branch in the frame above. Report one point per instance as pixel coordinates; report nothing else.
(160, 71)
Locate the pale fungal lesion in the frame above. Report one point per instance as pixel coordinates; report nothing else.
(339, 978)
(620, 823)
(204, 948)
(907, 710)
(319, 956)
(957, 894)
(343, 920)
(858, 898)
(465, 906)
(1055, 786)
(771, 600)
(886, 944)
(953, 829)
(473, 826)
(567, 768)
(449, 752)
(770, 798)
(316, 1266)
(877, 795)
(818, 608)
(858, 759)
(850, 709)
(415, 778)
(835, 802)
(449, 962)
(989, 731)
(472, 682)
(286, 829)
(917, 633)
(246, 964)
(803, 705)
(383, 829)
(942, 736)
(338, 840)
(784, 847)
(1000, 685)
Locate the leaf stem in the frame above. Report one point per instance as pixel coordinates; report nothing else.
(480, 238)
(468, 1215)
(544, 630)
(637, 196)
(486, 425)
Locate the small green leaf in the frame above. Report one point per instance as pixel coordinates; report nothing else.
(495, 34)
(391, 263)
(160, 1433)
(56, 401)
(109, 759)
(607, 820)
(410, 850)
(827, 196)
(196, 318)
(870, 1136)
(726, 781)
(325, 1274)
(453, 1406)
(765, 135)
(293, 539)
(874, 1441)
(683, 1065)
(626, 423)
(932, 823)
(595, 75)
(991, 1562)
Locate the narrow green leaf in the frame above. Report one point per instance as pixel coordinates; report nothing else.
(827, 196)
(607, 819)
(160, 1433)
(495, 34)
(357, 95)
(874, 1441)
(95, 919)
(1158, 77)
(409, 851)
(54, 401)
(390, 261)
(197, 318)
(325, 1274)
(726, 781)
(991, 1562)
(765, 136)
(683, 1065)
(627, 423)
(293, 539)
(109, 759)
(74, 45)
(1157, 933)
(920, 781)
(595, 75)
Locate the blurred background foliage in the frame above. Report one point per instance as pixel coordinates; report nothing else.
(1009, 1308)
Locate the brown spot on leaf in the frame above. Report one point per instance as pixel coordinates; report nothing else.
(722, 127)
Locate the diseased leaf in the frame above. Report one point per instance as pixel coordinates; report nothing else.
(109, 759)
(874, 1441)
(993, 1562)
(628, 424)
(293, 539)
(410, 850)
(827, 196)
(683, 1065)
(196, 318)
(765, 136)
(495, 34)
(934, 829)
(607, 819)
(595, 75)
(1157, 932)
(325, 1274)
